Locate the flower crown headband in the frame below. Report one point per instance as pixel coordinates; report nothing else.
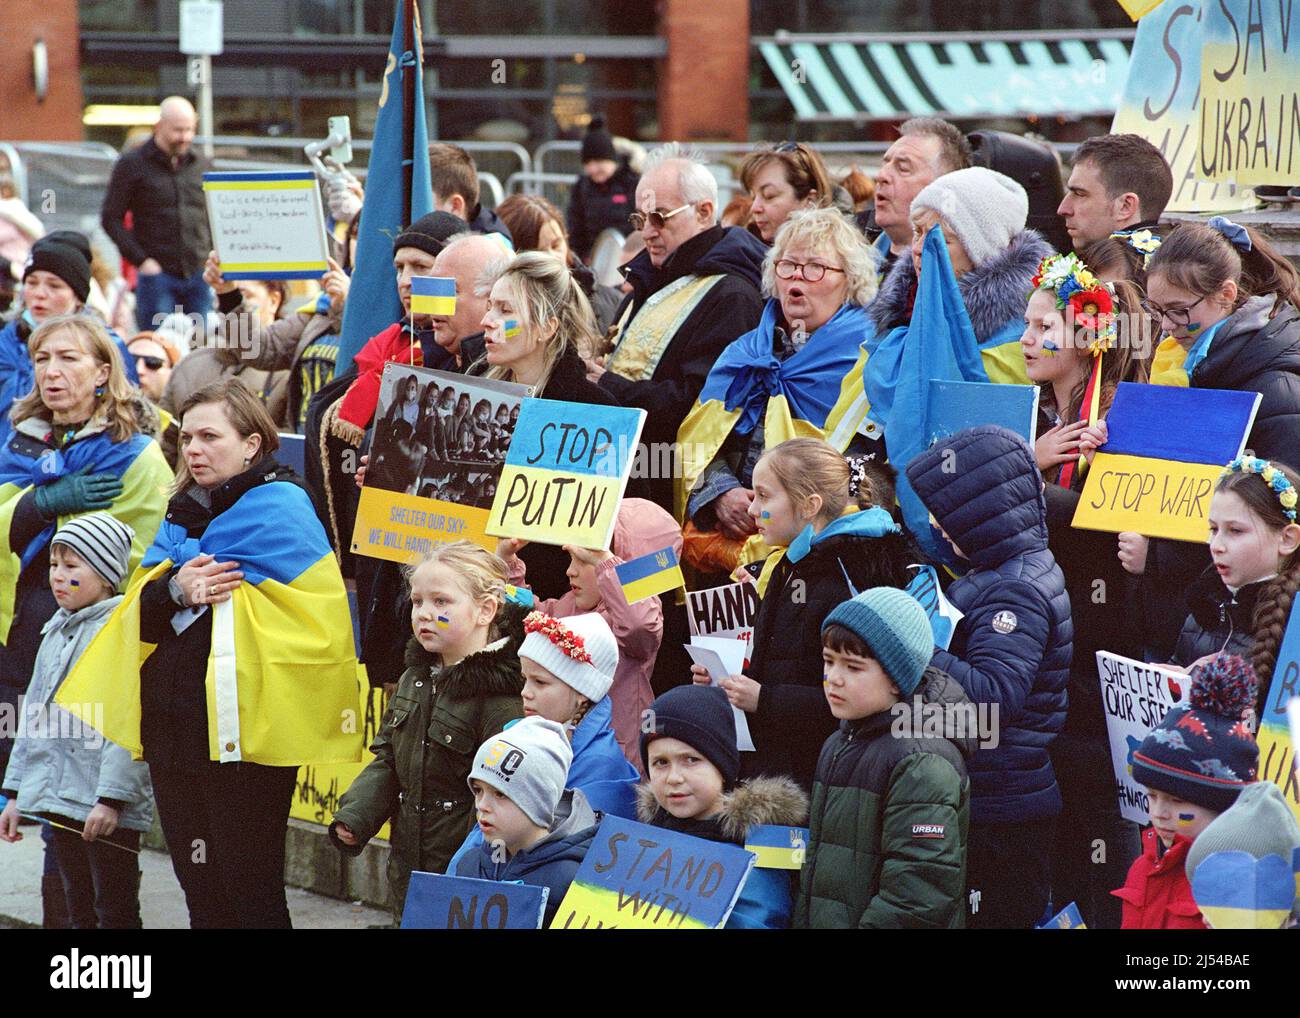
(1144, 242)
(1273, 477)
(1091, 299)
(566, 640)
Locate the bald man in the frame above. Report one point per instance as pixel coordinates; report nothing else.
(161, 184)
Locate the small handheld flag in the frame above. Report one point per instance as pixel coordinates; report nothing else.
(650, 575)
(1069, 918)
(433, 295)
(777, 847)
(520, 595)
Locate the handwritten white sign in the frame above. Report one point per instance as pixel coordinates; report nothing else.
(267, 225)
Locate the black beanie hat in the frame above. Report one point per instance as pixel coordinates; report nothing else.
(701, 717)
(430, 233)
(66, 253)
(597, 143)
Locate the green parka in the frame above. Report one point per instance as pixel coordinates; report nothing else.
(435, 723)
(890, 812)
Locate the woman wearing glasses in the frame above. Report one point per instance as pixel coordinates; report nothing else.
(780, 181)
(818, 277)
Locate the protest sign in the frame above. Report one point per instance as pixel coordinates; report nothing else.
(777, 847)
(439, 444)
(728, 612)
(1167, 447)
(943, 615)
(1277, 750)
(1135, 697)
(565, 473)
(267, 225)
(722, 658)
(638, 877)
(438, 902)
(1162, 103)
(1250, 93)
(955, 406)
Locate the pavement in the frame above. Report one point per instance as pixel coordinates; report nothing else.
(162, 904)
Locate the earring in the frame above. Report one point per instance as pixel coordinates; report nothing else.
(99, 392)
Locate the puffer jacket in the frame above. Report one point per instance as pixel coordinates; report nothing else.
(766, 896)
(1013, 647)
(1218, 619)
(1157, 894)
(435, 723)
(596, 207)
(551, 863)
(864, 549)
(69, 775)
(890, 814)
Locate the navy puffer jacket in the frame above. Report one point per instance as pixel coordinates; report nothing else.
(1013, 646)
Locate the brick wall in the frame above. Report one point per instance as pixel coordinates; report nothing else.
(704, 81)
(58, 116)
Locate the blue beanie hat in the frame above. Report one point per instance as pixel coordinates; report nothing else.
(701, 717)
(894, 625)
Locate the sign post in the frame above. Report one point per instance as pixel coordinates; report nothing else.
(201, 32)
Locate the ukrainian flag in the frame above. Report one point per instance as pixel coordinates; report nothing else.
(650, 575)
(138, 461)
(433, 295)
(282, 673)
(777, 847)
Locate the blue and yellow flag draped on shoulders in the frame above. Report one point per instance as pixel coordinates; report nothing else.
(808, 395)
(401, 142)
(29, 460)
(282, 673)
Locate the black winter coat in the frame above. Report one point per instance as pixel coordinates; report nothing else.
(1013, 646)
(169, 217)
(596, 207)
(1217, 619)
(793, 718)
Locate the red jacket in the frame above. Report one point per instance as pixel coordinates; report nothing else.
(1157, 894)
(359, 402)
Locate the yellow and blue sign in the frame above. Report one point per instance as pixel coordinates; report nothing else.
(433, 295)
(565, 473)
(435, 901)
(650, 575)
(638, 877)
(1277, 751)
(267, 225)
(1166, 449)
(777, 847)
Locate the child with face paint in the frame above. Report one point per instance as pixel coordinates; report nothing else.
(1193, 764)
(461, 685)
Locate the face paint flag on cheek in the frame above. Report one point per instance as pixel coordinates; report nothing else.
(1185, 819)
(74, 583)
(510, 328)
(1049, 348)
(443, 622)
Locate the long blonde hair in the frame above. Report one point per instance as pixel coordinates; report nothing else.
(116, 406)
(545, 290)
(805, 467)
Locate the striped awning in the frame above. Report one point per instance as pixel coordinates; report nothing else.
(1045, 74)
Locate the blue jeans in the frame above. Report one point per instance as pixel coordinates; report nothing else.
(160, 295)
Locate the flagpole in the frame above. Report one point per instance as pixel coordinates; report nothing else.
(408, 106)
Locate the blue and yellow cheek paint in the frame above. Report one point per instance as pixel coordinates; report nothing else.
(442, 622)
(1186, 819)
(765, 517)
(1050, 349)
(74, 584)
(510, 328)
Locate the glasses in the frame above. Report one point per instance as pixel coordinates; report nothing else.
(656, 218)
(812, 272)
(1180, 317)
(152, 363)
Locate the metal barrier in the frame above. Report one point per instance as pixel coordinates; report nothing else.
(62, 182)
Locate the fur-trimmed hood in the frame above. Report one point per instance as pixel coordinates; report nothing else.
(492, 671)
(994, 293)
(750, 804)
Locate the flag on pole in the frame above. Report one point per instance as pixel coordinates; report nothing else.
(650, 575)
(401, 140)
(433, 295)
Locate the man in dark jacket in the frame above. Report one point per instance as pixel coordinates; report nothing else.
(695, 288)
(604, 193)
(1011, 649)
(161, 185)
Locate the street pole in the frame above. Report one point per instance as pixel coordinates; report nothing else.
(206, 123)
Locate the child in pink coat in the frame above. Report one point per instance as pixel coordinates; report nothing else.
(641, 528)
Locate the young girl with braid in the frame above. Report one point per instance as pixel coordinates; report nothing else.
(1242, 602)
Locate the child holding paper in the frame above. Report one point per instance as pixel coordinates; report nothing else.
(1194, 764)
(461, 684)
(640, 528)
(891, 808)
(67, 772)
(568, 665)
(802, 489)
(692, 766)
(534, 829)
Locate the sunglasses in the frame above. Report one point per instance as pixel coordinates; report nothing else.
(152, 363)
(656, 218)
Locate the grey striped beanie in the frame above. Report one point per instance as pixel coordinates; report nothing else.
(102, 541)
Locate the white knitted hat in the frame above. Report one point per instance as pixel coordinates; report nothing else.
(983, 207)
(546, 641)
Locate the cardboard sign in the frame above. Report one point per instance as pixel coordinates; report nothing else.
(565, 473)
(1135, 697)
(1277, 749)
(638, 877)
(955, 406)
(267, 225)
(440, 442)
(943, 615)
(728, 612)
(1162, 103)
(777, 847)
(438, 902)
(1250, 93)
(1167, 448)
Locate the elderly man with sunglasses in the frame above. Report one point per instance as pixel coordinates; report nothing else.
(695, 288)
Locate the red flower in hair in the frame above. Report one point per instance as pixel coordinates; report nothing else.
(1089, 306)
(569, 643)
